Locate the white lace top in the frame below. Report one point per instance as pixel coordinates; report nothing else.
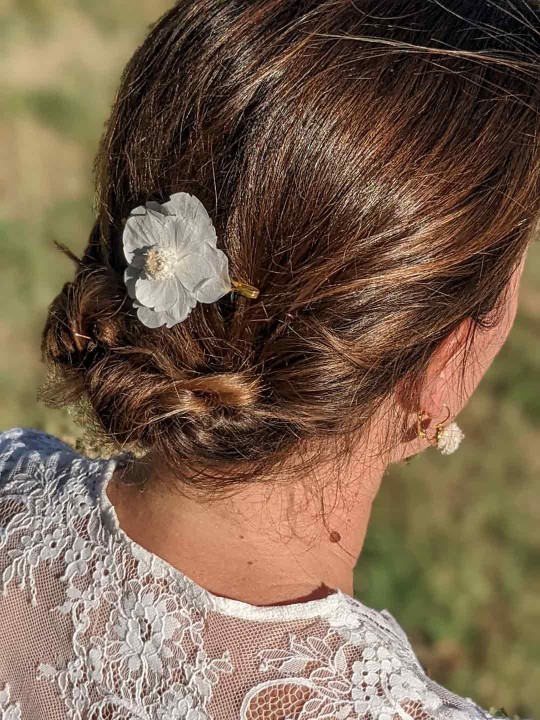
(93, 626)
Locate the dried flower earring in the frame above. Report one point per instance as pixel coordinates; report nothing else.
(446, 438)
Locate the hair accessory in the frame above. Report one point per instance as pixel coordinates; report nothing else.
(446, 438)
(174, 262)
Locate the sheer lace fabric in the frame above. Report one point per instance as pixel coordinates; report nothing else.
(93, 626)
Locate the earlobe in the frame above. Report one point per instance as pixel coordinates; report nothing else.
(445, 437)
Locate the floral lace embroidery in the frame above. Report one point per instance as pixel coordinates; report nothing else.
(147, 624)
(380, 683)
(139, 642)
(147, 627)
(8, 710)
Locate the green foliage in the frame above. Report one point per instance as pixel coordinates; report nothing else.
(453, 551)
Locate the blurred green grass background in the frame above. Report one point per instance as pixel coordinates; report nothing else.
(454, 548)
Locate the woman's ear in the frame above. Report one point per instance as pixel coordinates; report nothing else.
(462, 359)
(443, 384)
(446, 381)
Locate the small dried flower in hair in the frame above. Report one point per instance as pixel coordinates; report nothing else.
(173, 260)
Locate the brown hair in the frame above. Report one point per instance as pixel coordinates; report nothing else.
(372, 167)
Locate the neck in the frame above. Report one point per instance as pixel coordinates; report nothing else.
(267, 545)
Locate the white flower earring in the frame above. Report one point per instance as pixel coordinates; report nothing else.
(174, 262)
(447, 438)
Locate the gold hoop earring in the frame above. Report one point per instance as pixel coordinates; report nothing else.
(447, 438)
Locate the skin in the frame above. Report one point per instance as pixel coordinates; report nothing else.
(269, 545)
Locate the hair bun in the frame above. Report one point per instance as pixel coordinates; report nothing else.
(198, 396)
(86, 314)
(141, 388)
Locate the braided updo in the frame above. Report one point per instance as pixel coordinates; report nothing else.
(373, 168)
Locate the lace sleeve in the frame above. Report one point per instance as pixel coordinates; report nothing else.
(21, 449)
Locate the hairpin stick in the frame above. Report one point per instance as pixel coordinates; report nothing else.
(244, 289)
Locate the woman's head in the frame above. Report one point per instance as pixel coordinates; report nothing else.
(372, 167)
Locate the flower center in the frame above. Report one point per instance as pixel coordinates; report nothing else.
(160, 263)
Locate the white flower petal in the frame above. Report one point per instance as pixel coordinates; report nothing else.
(198, 269)
(214, 288)
(139, 210)
(203, 236)
(131, 275)
(156, 207)
(174, 315)
(215, 255)
(211, 290)
(178, 203)
(133, 239)
(188, 206)
(218, 285)
(190, 209)
(157, 294)
(192, 270)
(178, 313)
(153, 214)
(150, 318)
(186, 302)
(144, 229)
(181, 234)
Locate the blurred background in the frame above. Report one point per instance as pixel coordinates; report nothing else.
(454, 548)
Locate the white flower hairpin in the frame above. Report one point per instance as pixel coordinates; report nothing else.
(174, 262)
